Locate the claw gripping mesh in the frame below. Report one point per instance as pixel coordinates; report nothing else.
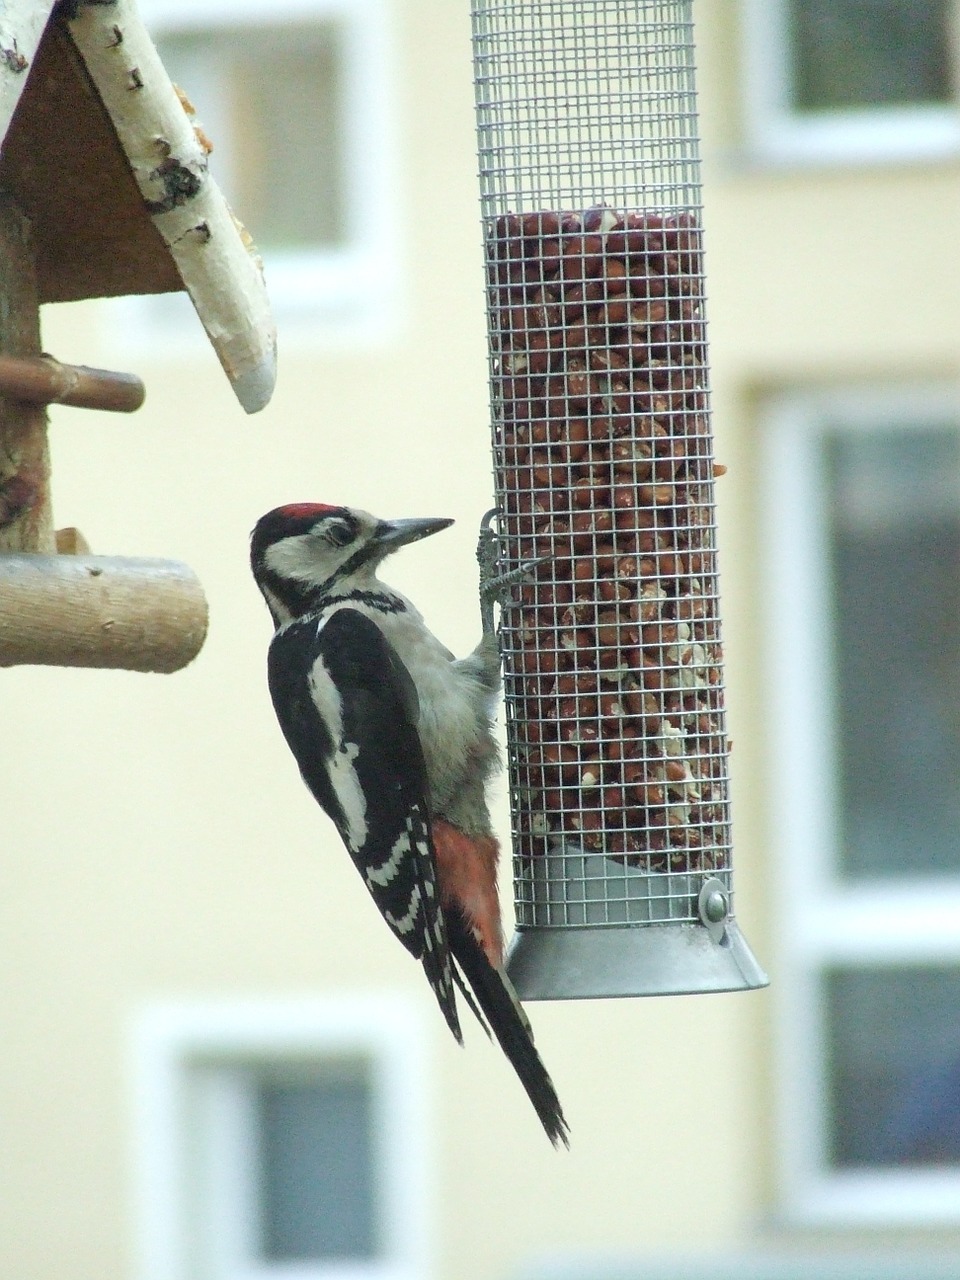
(603, 461)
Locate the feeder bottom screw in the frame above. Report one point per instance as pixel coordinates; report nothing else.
(715, 907)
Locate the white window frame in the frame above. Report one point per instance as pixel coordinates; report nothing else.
(823, 921)
(193, 1128)
(776, 134)
(350, 291)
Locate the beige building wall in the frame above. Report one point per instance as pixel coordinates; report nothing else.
(158, 844)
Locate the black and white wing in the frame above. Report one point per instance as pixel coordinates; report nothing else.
(348, 710)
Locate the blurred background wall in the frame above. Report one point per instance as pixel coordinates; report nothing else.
(215, 1058)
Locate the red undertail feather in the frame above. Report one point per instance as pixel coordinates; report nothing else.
(467, 874)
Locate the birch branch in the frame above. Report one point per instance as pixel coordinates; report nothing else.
(215, 256)
(22, 23)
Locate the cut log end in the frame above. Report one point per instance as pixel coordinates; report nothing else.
(100, 611)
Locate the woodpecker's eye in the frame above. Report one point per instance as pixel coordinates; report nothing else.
(339, 533)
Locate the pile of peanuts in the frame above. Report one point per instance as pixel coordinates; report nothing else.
(603, 461)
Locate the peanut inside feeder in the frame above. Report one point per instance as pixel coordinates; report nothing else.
(604, 473)
(604, 469)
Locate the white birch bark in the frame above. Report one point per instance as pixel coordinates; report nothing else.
(22, 23)
(215, 256)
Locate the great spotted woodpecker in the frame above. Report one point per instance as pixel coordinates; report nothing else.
(393, 737)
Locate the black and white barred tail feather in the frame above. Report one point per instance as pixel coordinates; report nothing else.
(508, 1024)
(435, 958)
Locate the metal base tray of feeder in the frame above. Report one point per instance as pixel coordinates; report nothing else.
(582, 945)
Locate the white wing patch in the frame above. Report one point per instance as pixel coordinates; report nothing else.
(404, 923)
(404, 847)
(343, 776)
(387, 869)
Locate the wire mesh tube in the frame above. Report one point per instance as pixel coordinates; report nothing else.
(604, 472)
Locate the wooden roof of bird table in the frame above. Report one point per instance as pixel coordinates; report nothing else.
(105, 190)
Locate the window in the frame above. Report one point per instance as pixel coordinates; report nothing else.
(295, 97)
(868, 53)
(851, 79)
(893, 1067)
(280, 1142)
(863, 589)
(314, 1162)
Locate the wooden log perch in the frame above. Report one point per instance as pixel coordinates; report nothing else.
(99, 611)
(43, 380)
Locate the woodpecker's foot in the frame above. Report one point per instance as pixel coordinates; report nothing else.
(488, 551)
(495, 586)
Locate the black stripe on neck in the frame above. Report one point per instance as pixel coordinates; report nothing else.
(382, 601)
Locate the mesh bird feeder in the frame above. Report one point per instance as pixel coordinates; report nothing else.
(604, 475)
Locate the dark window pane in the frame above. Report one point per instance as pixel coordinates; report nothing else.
(894, 529)
(862, 53)
(316, 1169)
(894, 1066)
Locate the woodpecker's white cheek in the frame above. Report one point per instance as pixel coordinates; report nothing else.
(301, 558)
(340, 769)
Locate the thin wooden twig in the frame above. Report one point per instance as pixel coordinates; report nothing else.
(43, 380)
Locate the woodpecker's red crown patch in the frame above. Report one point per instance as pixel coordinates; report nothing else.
(306, 510)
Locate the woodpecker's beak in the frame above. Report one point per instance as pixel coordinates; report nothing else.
(392, 534)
